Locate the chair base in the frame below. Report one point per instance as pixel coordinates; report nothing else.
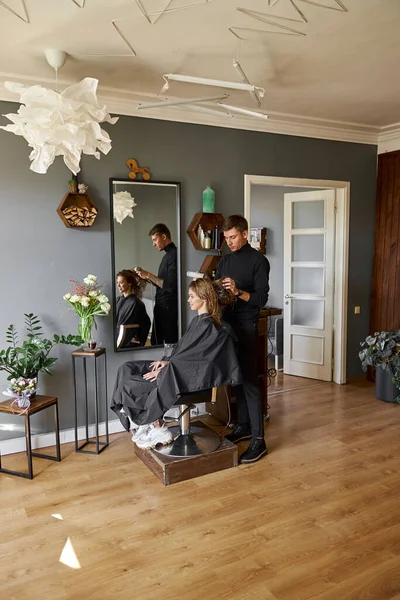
(169, 469)
(199, 441)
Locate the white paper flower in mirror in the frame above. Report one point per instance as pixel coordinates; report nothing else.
(123, 206)
(60, 124)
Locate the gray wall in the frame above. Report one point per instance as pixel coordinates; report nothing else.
(40, 255)
(267, 210)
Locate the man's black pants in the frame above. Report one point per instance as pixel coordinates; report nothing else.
(248, 399)
(165, 325)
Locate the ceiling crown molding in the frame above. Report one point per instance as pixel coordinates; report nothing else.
(125, 102)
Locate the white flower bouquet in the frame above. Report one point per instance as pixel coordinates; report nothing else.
(88, 301)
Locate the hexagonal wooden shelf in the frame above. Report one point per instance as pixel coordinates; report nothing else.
(77, 211)
(210, 264)
(207, 221)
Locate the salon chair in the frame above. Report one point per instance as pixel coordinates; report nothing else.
(192, 440)
(125, 332)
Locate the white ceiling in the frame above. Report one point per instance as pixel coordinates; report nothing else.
(345, 67)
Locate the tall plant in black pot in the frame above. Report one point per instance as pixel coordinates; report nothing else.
(382, 352)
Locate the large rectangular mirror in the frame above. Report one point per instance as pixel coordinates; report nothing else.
(146, 263)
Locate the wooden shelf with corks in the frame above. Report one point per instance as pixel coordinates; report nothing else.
(207, 221)
(77, 210)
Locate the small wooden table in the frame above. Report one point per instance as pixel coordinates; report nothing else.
(38, 403)
(92, 355)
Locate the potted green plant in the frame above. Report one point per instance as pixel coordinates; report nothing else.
(382, 352)
(23, 361)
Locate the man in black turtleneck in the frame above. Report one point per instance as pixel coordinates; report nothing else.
(245, 271)
(165, 323)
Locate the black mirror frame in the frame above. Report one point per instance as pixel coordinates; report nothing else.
(112, 181)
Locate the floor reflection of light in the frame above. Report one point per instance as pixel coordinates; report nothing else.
(68, 556)
(59, 517)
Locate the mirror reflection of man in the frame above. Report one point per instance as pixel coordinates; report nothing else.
(165, 322)
(245, 272)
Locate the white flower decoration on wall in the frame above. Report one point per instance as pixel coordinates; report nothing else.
(60, 124)
(123, 206)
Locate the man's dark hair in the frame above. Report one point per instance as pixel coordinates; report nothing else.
(159, 229)
(235, 221)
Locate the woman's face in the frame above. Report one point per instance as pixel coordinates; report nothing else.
(195, 302)
(123, 286)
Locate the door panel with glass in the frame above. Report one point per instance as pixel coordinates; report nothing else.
(309, 253)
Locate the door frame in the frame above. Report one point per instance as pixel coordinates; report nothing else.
(342, 227)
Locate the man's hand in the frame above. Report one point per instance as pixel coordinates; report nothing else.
(143, 274)
(229, 284)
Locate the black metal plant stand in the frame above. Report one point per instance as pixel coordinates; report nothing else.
(91, 355)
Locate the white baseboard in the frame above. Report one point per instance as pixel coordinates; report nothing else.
(43, 440)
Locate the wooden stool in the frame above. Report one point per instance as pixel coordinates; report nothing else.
(38, 403)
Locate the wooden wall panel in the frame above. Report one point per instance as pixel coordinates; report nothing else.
(385, 297)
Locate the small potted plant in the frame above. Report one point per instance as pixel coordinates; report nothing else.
(23, 361)
(382, 352)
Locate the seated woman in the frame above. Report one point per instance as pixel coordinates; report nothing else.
(130, 310)
(204, 357)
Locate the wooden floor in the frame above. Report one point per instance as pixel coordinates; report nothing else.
(317, 518)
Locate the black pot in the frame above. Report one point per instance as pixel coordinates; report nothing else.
(384, 387)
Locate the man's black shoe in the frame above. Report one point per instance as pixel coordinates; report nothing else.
(254, 452)
(239, 433)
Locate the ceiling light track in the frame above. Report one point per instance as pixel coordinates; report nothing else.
(243, 111)
(243, 76)
(234, 85)
(209, 111)
(180, 102)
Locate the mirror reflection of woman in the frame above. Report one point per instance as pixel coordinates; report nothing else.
(131, 311)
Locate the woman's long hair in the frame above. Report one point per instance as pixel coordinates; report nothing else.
(214, 295)
(137, 283)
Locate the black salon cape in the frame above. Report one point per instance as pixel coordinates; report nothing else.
(205, 357)
(130, 310)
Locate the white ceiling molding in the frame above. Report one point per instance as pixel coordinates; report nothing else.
(124, 102)
(389, 138)
(24, 16)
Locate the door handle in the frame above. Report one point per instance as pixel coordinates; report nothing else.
(287, 296)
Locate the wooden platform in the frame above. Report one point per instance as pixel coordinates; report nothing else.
(172, 470)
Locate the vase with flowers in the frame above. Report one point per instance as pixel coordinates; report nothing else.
(88, 301)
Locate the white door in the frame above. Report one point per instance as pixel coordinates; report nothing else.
(309, 251)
